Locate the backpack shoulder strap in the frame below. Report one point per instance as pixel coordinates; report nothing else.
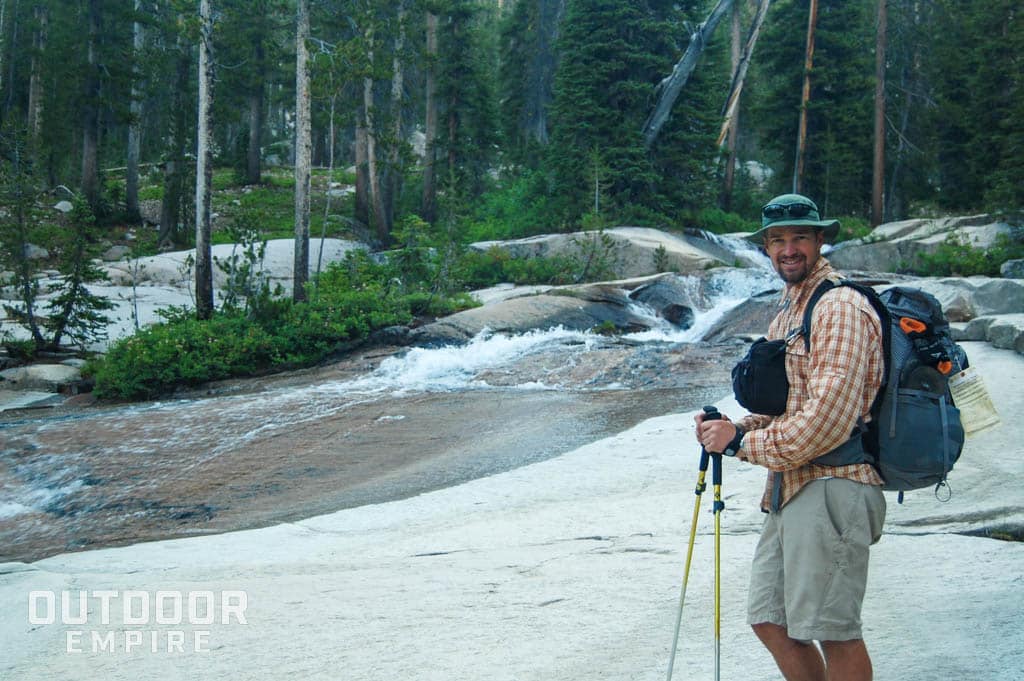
(881, 310)
(868, 438)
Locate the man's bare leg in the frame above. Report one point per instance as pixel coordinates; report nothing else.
(847, 660)
(798, 661)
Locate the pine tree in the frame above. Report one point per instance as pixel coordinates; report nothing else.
(838, 154)
(465, 96)
(978, 91)
(612, 54)
(526, 75)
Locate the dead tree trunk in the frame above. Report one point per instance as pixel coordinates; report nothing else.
(303, 146)
(734, 125)
(204, 165)
(35, 83)
(671, 86)
(732, 102)
(805, 99)
(878, 169)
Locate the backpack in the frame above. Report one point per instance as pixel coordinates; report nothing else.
(915, 434)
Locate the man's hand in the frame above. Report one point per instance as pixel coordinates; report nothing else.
(716, 435)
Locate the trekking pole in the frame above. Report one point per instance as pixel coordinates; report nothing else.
(710, 414)
(719, 506)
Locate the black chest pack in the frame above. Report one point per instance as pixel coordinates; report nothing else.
(915, 434)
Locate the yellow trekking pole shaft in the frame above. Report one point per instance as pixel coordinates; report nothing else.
(701, 486)
(719, 506)
(710, 413)
(718, 581)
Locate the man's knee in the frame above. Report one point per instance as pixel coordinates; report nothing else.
(770, 633)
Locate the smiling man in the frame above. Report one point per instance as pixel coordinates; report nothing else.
(823, 498)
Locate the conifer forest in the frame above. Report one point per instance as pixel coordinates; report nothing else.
(492, 119)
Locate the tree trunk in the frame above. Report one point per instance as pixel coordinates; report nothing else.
(35, 83)
(805, 99)
(671, 86)
(878, 169)
(542, 68)
(90, 182)
(739, 77)
(730, 163)
(393, 174)
(303, 146)
(3, 43)
(131, 184)
(174, 166)
(428, 206)
(7, 61)
(253, 158)
(362, 202)
(204, 165)
(372, 169)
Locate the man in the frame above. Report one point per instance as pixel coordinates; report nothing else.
(810, 568)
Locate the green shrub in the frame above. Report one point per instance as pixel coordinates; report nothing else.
(718, 221)
(956, 256)
(852, 227)
(182, 352)
(477, 269)
(516, 209)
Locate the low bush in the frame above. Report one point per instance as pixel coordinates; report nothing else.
(956, 256)
(182, 352)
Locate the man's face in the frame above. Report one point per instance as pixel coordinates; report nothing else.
(793, 251)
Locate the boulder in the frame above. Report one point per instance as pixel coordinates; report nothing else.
(115, 253)
(892, 246)
(632, 251)
(670, 298)
(1012, 269)
(40, 377)
(748, 320)
(150, 211)
(1007, 331)
(963, 299)
(171, 269)
(577, 308)
(33, 252)
(27, 399)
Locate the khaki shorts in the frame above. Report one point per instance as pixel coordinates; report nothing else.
(810, 568)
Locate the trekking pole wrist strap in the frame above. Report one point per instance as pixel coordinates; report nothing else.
(737, 441)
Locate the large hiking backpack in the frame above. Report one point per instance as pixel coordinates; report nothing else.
(915, 434)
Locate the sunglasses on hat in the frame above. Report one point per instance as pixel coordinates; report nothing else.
(774, 211)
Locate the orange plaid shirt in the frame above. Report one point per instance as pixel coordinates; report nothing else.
(830, 386)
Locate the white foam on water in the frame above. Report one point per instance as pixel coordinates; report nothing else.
(29, 499)
(663, 331)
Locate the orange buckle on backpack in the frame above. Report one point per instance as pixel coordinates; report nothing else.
(912, 326)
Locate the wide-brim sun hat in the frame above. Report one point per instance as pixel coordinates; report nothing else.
(793, 210)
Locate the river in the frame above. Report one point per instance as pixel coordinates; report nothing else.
(378, 426)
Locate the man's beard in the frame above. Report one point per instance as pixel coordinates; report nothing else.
(795, 276)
